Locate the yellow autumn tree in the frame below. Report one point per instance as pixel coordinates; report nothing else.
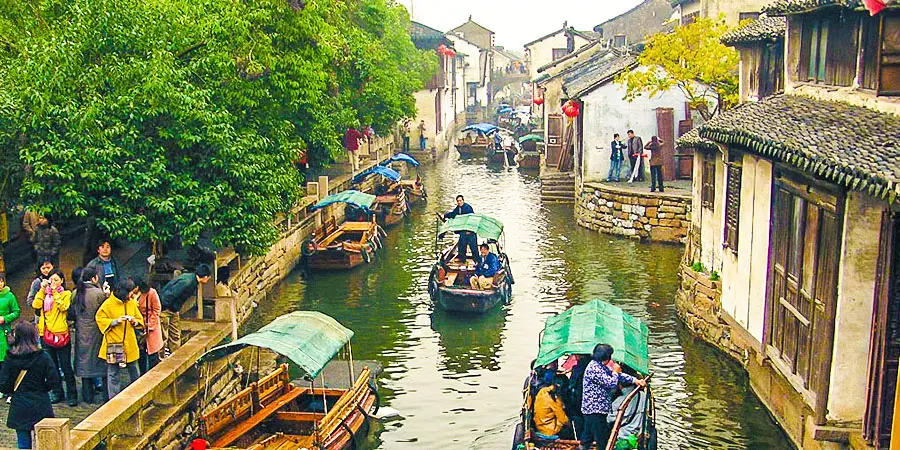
(692, 59)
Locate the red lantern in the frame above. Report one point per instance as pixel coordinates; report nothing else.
(571, 109)
(539, 101)
(442, 49)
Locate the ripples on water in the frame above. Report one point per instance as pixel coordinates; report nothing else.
(457, 379)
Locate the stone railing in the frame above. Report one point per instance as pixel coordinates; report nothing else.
(158, 408)
(658, 217)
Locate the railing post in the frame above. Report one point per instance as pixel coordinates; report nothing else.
(52, 434)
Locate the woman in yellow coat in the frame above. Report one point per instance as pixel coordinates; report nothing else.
(52, 303)
(118, 321)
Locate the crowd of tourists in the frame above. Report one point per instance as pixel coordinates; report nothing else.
(576, 401)
(98, 327)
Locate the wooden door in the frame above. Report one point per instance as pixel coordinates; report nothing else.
(554, 138)
(802, 298)
(665, 130)
(884, 358)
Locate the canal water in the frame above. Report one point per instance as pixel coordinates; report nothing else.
(457, 380)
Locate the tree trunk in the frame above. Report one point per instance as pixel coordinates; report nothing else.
(91, 236)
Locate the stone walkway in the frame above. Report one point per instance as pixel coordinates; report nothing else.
(675, 187)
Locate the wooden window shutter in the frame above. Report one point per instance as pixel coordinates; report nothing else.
(732, 206)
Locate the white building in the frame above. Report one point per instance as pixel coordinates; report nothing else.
(476, 70)
(553, 46)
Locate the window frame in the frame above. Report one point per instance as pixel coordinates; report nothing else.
(829, 49)
(732, 217)
(708, 180)
(558, 53)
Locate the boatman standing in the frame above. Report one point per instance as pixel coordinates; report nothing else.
(486, 269)
(467, 239)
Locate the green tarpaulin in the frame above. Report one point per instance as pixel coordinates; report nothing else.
(485, 227)
(309, 338)
(580, 328)
(352, 197)
(530, 137)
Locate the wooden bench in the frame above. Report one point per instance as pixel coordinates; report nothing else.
(251, 422)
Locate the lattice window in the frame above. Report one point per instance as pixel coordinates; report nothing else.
(708, 178)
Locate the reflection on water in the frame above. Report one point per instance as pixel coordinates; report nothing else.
(457, 379)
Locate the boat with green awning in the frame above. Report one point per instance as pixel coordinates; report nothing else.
(577, 331)
(275, 413)
(449, 283)
(350, 243)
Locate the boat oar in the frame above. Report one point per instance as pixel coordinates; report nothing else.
(613, 435)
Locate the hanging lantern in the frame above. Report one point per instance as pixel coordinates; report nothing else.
(571, 109)
(442, 49)
(539, 101)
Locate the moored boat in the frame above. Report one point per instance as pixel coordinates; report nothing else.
(577, 331)
(529, 157)
(275, 413)
(349, 244)
(475, 140)
(390, 202)
(415, 189)
(448, 284)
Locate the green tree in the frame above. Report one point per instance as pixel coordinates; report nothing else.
(164, 118)
(692, 59)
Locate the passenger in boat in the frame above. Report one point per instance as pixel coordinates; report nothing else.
(575, 392)
(467, 239)
(549, 412)
(485, 270)
(599, 383)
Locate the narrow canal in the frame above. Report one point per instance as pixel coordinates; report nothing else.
(457, 380)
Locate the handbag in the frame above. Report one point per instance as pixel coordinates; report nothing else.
(56, 340)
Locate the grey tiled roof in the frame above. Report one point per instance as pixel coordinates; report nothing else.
(854, 146)
(763, 29)
(782, 7)
(596, 71)
(692, 139)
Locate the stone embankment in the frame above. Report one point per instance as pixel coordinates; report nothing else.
(657, 217)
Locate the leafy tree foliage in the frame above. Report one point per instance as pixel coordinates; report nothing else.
(693, 60)
(163, 118)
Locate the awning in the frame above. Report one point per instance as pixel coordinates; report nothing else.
(580, 328)
(505, 110)
(351, 197)
(530, 137)
(405, 158)
(480, 224)
(483, 128)
(387, 172)
(308, 338)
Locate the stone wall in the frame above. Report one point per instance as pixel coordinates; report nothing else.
(699, 305)
(639, 215)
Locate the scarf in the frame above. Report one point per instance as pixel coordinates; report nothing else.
(48, 296)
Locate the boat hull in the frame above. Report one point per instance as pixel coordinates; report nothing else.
(459, 299)
(472, 151)
(529, 161)
(335, 260)
(496, 158)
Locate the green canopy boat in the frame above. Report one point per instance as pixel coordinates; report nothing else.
(577, 330)
(359, 199)
(274, 412)
(450, 282)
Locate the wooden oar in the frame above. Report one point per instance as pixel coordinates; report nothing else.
(613, 435)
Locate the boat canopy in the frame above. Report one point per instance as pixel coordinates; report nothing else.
(480, 224)
(351, 197)
(404, 158)
(483, 128)
(387, 172)
(580, 328)
(308, 338)
(530, 137)
(504, 110)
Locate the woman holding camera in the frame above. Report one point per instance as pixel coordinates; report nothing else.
(119, 319)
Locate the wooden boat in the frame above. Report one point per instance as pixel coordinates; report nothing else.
(277, 414)
(497, 157)
(349, 244)
(529, 157)
(391, 207)
(415, 189)
(575, 332)
(477, 146)
(448, 283)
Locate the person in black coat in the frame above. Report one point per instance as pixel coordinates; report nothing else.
(31, 398)
(467, 239)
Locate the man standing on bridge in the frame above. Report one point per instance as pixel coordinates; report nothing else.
(467, 239)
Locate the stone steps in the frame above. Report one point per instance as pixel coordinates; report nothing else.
(557, 187)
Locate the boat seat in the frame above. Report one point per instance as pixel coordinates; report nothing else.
(258, 418)
(451, 278)
(282, 441)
